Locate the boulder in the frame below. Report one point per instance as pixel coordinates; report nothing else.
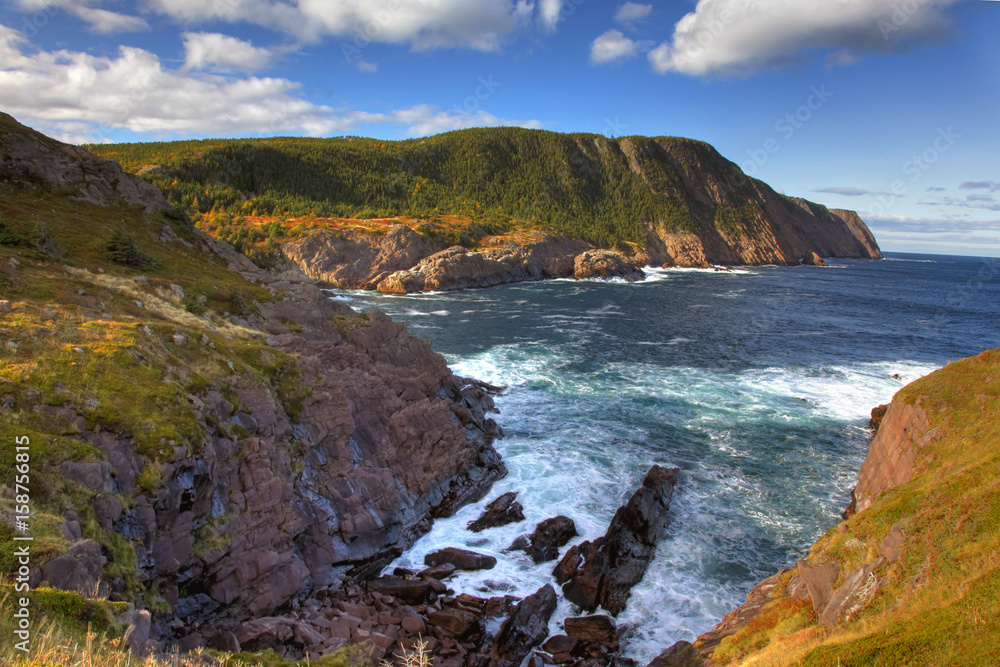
(813, 259)
(878, 414)
(550, 535)
(439, 572)
(79, 569)
(456, 622)
(407, 591)
(602, 572)
(586, 630)
(605, 264)
(527, 626)
(502, 511)
(462, 559)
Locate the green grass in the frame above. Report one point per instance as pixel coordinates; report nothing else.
(76, 343)
(936, 605)
(504, 179)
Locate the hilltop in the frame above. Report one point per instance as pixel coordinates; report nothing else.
(480, 207)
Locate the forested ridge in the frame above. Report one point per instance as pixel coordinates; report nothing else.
(606, 191)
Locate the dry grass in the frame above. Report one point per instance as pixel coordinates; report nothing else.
(936, 605)
(418, 657)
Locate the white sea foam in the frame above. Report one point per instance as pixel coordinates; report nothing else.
(563, 459)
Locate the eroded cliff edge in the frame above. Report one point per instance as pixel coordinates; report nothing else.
(905, 576)
(210, 443)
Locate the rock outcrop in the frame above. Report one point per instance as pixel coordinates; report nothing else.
(325, 446)
(501, 512)
(902, 432)
(544, 542)
(813, 259)
(603, 572)
(605, 264)
(542, 257)
(30, 158)
(835, 593)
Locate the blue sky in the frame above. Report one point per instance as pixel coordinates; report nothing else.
(888, 107)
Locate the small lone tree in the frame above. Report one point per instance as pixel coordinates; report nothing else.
(121, 249)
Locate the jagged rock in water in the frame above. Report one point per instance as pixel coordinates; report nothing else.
(605, 264)
(813, 259)
(527, 626)
(502, 511)
(602, 572)
(548, 537)
(462, 559)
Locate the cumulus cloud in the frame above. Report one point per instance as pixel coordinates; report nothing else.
(211, 50)
(612, 46)
(977, 185)
(737, 37)
(847, 192)
(82, 97)
(631, 12)
(477, 24)
(106, 22)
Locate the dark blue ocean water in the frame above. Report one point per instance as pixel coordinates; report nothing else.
(757, 383)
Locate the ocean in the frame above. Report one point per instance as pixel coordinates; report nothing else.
(757, 383)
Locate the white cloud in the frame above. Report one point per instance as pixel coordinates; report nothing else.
(734, 37)
(631, 12)
(550, 12)
(106, 22)
(612, 46)
(81, 97)
(426, 119)
(422, 24)
(210, 50)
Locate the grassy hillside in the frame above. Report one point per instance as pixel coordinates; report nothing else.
(588, 186)
(937, 604)
(110, 319)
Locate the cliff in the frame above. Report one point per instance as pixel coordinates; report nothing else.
(911, 576)
(483, 207)
(208, 442)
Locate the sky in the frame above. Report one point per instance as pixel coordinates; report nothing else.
(887, 107)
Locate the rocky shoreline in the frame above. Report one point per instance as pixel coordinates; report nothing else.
(393, 613)
(403, 261)
(337, 439)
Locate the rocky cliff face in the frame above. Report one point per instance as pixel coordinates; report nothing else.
(303, 444)
(401, 261)
(31, 158)
(879, 553)
(902, 432)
